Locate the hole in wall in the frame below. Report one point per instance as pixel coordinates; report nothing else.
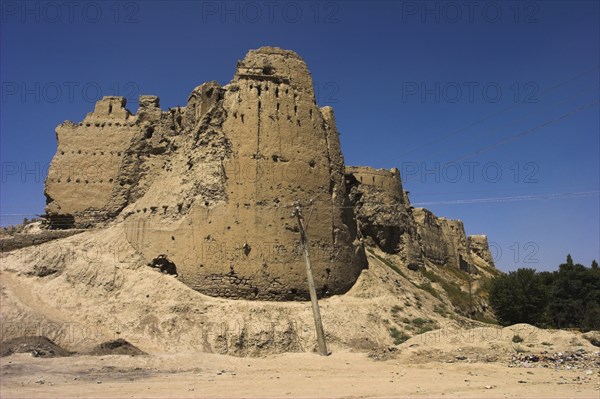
(246, 248)
(163, 263)
(59, 222)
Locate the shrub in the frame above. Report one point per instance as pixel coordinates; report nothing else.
(396, 309)
(517, 338)
(399, 336)
(419, 321)
(429, 288)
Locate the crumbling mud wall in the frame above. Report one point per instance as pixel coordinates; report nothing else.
(205, 191)
(479, 246)
(208, 187)
(104, 163)
(85, 181)
(262, 145)
(386, 217)
(443, 241)
(383, 211)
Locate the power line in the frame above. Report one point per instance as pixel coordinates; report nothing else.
(527, 132)
(518, 135)
(505, 189)
(543, 110)
(551, 196)
(488, 117)
(580, 194)
(539, 112)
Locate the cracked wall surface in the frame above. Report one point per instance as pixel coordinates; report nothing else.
(209, 186)
(385, 216)
(205, 191)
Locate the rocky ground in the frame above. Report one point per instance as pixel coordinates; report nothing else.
(457, 372)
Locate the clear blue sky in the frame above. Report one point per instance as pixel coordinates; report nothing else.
(489, 109)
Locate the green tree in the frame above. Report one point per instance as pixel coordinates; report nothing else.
(567, 298)
(575, 297)
(519, 297)
(569, 265)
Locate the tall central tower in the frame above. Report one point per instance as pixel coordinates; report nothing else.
(248, 151)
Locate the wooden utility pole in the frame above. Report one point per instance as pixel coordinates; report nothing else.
(470, 294)
(322, 345)
(461, 260)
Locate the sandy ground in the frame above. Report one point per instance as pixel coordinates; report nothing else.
(342, 374)
(93, 287)
(81, 299)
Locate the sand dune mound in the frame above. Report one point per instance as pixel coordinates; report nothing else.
(102, 290)
(37, 346)
(116, 347)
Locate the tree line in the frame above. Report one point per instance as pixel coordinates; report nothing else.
(566, 298)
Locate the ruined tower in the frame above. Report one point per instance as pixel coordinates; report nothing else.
(208, 187)
(205, 191)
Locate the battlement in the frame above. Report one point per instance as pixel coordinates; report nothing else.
(272, 64)
(109, 108)
(388, 180)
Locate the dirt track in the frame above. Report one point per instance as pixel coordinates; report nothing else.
(343, 374)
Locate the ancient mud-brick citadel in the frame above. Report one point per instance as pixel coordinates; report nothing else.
(205, 191)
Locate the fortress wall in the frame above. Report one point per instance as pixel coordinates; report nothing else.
(383, 211)
(84, 179)
(207, 189)
(274, 147)
(387, 180)
(479, 247)
(386, 217)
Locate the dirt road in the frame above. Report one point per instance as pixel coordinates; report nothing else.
(343, 374)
